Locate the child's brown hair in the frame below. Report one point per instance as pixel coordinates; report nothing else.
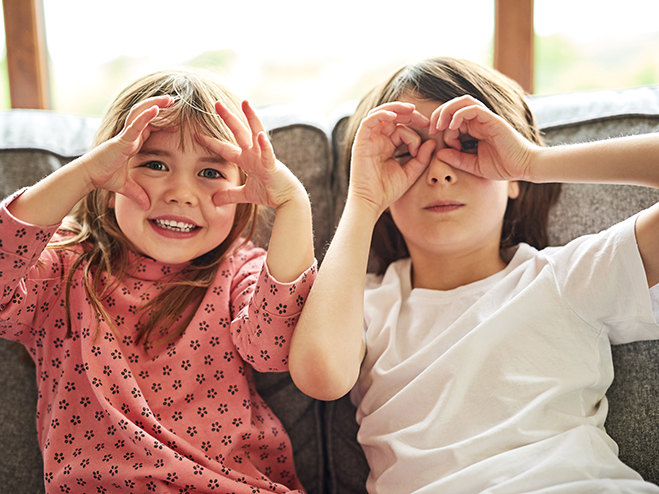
(93, 221)
(440, 80)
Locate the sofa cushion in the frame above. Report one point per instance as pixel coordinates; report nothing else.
(21, 467)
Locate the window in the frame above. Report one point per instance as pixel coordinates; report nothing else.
(316, 54)
(595, 44)
(320, 54)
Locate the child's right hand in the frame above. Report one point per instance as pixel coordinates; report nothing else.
(107, 165)
(104, 167)
(375, 175)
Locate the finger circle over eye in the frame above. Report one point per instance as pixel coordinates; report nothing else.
(405, 135)
(451, 138)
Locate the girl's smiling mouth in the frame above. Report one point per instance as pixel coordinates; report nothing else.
(174, 225)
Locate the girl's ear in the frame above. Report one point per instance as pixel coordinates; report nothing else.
(513, 190)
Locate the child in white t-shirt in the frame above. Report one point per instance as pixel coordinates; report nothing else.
(479, 359)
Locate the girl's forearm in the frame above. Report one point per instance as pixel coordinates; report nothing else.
(327, 346)
(626, 160)
(47, 202)
(291, 250)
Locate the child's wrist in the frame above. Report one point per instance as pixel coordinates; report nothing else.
(365, 208)
(297, 197)
(536, 157)
(82, 165)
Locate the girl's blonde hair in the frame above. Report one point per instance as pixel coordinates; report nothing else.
(440, 80)
(105, 258)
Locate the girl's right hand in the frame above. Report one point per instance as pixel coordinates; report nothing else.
(376, 176)
(107, 164)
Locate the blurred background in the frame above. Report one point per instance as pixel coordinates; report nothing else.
(320, 55)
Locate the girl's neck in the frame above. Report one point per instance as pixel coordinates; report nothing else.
(450, 271)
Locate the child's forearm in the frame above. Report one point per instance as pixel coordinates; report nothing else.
(47, 202)
(626, 160)
(327, 346)
(291, 249)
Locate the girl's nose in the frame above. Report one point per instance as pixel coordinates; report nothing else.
(181, 192)
(441, 172)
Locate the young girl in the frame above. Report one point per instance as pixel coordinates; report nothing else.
(479, 363)
(145, 308)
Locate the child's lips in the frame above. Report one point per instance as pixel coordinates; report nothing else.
(443, 206)
(175, 224)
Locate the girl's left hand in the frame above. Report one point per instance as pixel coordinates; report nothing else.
(269, 182)
(501, 154)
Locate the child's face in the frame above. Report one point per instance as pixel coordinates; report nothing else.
(449, 211)
(182, 221)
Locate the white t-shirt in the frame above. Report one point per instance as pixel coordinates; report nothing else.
(498, 386)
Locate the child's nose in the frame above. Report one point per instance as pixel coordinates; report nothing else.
(181, 191)
(440, 172)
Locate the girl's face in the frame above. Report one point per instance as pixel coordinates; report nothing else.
(182, 221)
(448, 211)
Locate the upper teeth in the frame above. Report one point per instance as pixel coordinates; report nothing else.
(175, 225)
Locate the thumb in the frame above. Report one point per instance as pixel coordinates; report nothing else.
(137, 194)
(233, 195)
(414, 168)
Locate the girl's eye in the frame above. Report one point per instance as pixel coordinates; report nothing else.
(469, 145)
(210, 173)
(155, 165)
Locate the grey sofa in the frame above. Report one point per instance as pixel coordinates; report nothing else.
(33, 143)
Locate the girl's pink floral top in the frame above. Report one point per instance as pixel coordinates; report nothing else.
(184, 417)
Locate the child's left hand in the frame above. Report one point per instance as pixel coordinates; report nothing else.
(269, 182)
(502, 153)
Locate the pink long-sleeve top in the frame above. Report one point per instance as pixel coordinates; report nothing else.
(184, 417)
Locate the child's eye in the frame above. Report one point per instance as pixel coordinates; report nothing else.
(211, 173)
(155, 165)
(469, 145)
(402, 155)
(402, 158)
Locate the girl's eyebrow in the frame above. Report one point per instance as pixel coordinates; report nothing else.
(216, 159)
(211, 158)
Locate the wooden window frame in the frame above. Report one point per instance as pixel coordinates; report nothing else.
(26, 54)
(513, 40)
